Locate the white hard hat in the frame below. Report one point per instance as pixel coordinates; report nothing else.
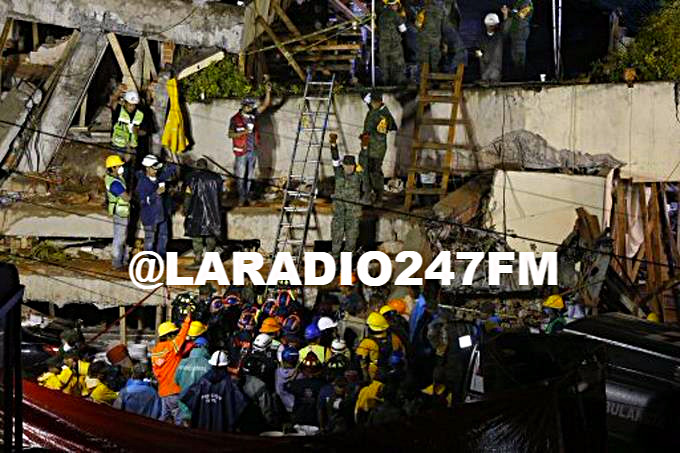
(149, 160)
(326, 323)
(131, 97)
(338, 346)
(219, 358)
(491, 19)
(262, 342)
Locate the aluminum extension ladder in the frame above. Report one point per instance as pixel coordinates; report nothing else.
(303, 175)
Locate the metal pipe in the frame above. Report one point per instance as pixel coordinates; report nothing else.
(373, 43)
(554, 33)
(559, 39)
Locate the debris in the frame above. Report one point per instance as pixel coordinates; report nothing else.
(463, 204)
(417, 241)
(391, 248)
(48, 54)
(15, 107)
(48, 251)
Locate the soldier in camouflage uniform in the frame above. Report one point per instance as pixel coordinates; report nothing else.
(390, 27)
(518, 25)
(346, 207)
(378, 123)
(430, 24)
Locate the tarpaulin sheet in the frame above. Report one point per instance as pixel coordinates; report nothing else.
(525, 421)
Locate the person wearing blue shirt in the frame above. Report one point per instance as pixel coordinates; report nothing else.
(118, 207)
(154, 207)
(138, 396)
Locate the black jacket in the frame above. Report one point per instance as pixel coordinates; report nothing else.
(203, 205)
(215, 402)
(306, 406)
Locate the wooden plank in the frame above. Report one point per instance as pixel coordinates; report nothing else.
(167, 53)
(120, 58)
(326, 47)
(204, 63)
(636, 262)
(442, 121)
(282, 49)
(441, 99)
(620, 224)
(443, 76)
(285, 19)
(123, 325)
(327, 57)
(667, 304)
(36, 35)
(652, 281)
(83, 111)
(149, 65)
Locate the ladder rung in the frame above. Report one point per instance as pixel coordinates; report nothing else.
(295, 209)
(302, 178)
(297, 193)
(311, 129)
(439, 98)
(427, 169)
(435, 191)
(442, 76)
(290, 241)
(316, 98)
(306, 161)
(441, 121)
(320, 83)
(293, 226)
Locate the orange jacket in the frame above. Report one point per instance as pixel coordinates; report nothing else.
(165, 359)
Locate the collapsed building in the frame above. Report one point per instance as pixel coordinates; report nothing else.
(589, 182)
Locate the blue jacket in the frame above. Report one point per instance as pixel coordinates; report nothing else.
(154, 208)
(140, 398)
(190, 371)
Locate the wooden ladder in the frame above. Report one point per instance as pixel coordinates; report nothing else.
(425, 97)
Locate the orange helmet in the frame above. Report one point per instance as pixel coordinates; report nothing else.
(398, 304)
(270, 325)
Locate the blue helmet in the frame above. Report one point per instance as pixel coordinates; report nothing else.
(201, 342)
(290, 355)
(396, 359)
(312, 332)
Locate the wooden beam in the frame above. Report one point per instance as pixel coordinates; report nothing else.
(620, 228)
(36, 36)
(6, 32)
(296, 67)
(123, 325)
(120, 58)
(83, 112)
(285, 19)
(636, 262)
(651, 283)
(204, 63)
(327, 47)
(149, 65)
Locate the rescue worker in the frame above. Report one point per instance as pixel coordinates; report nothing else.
(375, 350)
(306, 391)
(518, 26)
(138, 396)
(337, 407)
(244, 131)
(151, 192)
(202, 222)
(312, 336)
(215, 401)
(346, 207)
(190, 370)
(97, 390)
(339, 360)
(377, 124)
(455, 52)
(554, 308)
(165, 358)
(118, 207)
(126, 129)
(391, 25)
(437, 395)
(430, 23)
(285, 373)
(260, 413)
(490, 51)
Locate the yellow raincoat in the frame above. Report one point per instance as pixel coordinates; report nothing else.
(174, 137)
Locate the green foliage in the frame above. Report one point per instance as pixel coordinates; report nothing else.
(655, 53)
(217, 81)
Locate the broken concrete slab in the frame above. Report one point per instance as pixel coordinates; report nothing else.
(15, 107)
(214, 24)
(48, 54)
(416, 241)
(462, 205)
(70, 89)
(542, 206)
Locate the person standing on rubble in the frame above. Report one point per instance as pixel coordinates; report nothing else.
(126, 129)
(518, 26)
(245, 133)
(202, 223)
(378, 122)
(118, 206)
(151, 191)
(490, 51)
(430, 23)
(391, 25)
(346, 207)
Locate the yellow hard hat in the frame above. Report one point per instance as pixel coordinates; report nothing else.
(196, 329)
(554, 301)
(653, 317)
(270, 325)
(377, 322)
(385, 309)
(166, 328)
(114, 160)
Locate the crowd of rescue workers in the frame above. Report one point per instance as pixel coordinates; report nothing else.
(240, 362)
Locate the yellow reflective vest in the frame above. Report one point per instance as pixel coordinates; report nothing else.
(124, 133)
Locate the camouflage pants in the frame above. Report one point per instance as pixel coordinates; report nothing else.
(345, 225)
(374, 179)
(392, 65)
(429, 51)
(198, 247)
(518, 51)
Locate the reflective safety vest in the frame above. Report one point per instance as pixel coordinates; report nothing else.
(317, 349)
(116, 204)
(123, 131)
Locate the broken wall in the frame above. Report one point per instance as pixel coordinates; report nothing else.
(542, 206)
(636, 126)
